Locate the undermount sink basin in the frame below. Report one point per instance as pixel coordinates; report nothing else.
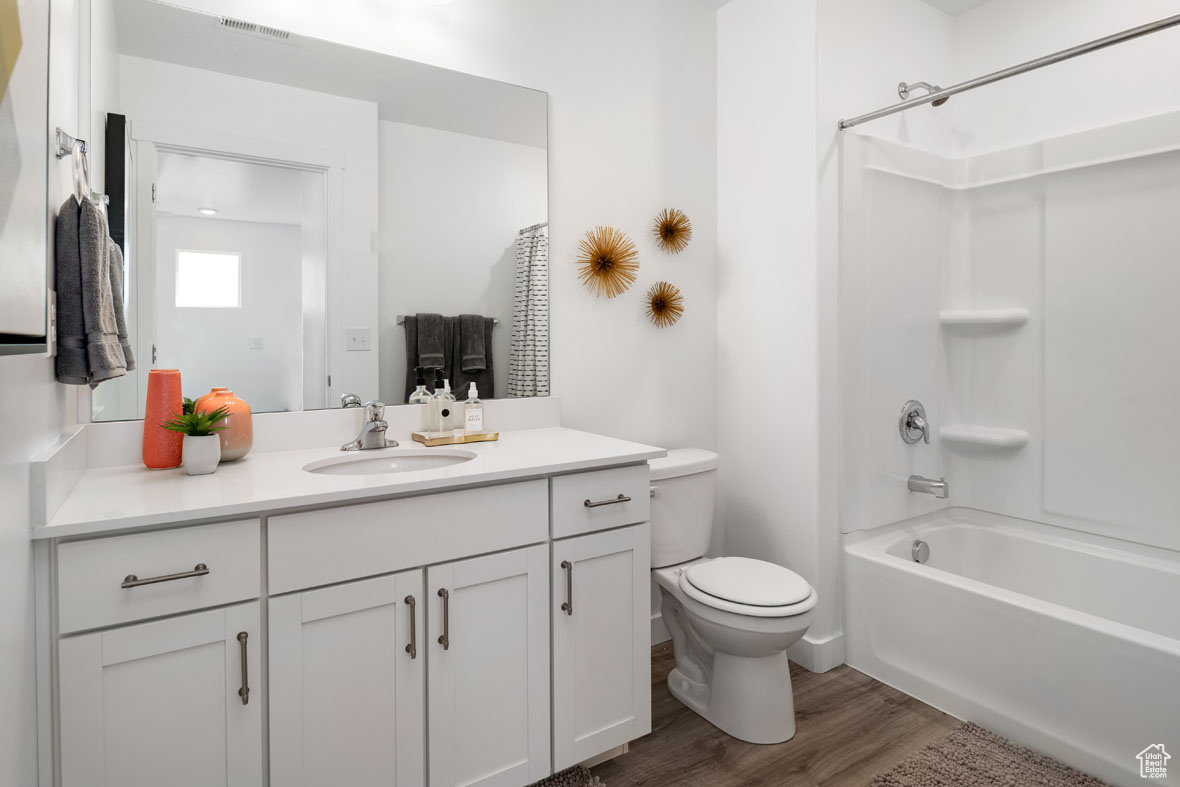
(390, 460)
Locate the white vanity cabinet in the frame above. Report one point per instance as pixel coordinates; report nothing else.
(601, 642)
(348, 685)
(483, 636)
(489, 670)
(176, 701)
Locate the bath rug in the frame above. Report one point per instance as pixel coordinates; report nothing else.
(973, 757)
(576, 776)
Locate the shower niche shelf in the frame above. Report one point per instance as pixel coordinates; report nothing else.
(993, 437)
(983, 319)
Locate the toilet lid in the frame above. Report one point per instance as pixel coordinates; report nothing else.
(754, 583)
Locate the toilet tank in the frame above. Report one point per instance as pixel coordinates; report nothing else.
(684, 491)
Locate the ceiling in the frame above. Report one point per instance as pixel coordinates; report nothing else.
(955, 7)
(405, 91)
(238, 191)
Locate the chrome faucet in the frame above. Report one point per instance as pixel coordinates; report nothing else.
(350, 400)
(913, 424)
(372, 434)
(928, 486)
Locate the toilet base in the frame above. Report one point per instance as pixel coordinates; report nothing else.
(749, 698)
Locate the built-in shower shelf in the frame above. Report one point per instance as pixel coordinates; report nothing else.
(983, 436)
(983, 318)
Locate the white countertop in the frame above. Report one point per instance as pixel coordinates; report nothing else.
(130, 496)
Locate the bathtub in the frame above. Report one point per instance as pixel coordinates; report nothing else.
(1064, 642)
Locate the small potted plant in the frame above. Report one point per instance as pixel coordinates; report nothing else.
(201, 450)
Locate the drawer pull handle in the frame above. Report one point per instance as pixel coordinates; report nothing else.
(444, 639)
(132, 581)
(597, 503)
(568, 606)
(244, 692)
(412, 646)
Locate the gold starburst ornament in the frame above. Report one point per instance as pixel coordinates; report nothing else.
(608, 261)
(665, 304)
(673, 230)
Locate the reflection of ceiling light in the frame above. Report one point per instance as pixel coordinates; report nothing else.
(208, 211)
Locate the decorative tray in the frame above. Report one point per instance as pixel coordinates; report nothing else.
(450, 438)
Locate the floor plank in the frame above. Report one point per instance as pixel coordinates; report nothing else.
(850, 728)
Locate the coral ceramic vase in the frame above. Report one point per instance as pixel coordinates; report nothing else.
(162, 448)
(238, 435)
(212, 392)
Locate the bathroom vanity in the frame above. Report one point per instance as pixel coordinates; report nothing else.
(483, 623)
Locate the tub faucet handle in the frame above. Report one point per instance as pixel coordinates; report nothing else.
(913, 424)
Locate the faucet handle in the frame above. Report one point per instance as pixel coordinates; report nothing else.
(913, 424)
(350, 400)
(374, 411)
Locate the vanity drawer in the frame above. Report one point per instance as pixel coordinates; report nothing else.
(91, 574)
(586, 502)
(334, 545)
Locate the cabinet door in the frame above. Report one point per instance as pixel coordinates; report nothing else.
(489, 670)
(601, 643)
(347, 685)
(176, 702)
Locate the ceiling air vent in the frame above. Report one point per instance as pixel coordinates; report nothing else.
(252, 29)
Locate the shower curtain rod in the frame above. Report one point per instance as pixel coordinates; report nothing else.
(1031, 65)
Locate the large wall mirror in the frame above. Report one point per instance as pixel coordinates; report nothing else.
(302, 220)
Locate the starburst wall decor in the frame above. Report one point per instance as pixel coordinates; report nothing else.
(673, 230)
(665, 304)
(608, 261)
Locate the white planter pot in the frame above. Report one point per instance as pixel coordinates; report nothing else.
(200, 455)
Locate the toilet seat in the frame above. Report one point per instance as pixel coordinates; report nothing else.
(747, 587)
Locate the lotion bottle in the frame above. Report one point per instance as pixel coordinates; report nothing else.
(473, 412)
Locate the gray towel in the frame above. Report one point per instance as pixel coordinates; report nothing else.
(484, 379)
(472, 351)
(431, 341)
(89, 350)
(116, 260)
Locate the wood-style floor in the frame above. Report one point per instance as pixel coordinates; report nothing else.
(849, 728)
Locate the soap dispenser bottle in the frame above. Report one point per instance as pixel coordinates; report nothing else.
(473, 412)
(420, 395)
(441, 415)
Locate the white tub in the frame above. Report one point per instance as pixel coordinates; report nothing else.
(1064, 642)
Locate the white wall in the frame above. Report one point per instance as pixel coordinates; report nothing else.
(787, 73)
(451, 205)
(1132, 80)
(632, 131)
(214, 105)
(211, 347)
(33, 409)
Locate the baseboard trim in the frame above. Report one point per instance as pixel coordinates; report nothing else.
(818, 655)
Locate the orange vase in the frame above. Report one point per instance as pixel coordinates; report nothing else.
(212, 391)
(238, 435)
(161, 447)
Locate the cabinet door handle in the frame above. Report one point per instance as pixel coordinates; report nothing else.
(412, 647)
(568, 606)
(445, 638)
(132, 581)
(614, 502)
(244, 692)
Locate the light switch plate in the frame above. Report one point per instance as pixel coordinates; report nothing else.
(358, 340)
(255, 342)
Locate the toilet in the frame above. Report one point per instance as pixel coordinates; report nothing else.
(731, 618)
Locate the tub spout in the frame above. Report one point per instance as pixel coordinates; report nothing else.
(928, 486)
